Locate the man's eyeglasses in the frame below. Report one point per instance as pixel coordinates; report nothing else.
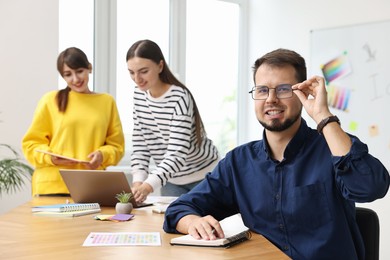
(262, 92)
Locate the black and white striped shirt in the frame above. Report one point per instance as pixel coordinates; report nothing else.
(164, 130)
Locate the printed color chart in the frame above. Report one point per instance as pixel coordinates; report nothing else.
(336, 68)
(338, 97)
(123, 239)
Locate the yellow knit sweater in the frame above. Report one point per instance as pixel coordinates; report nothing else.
(91, 122)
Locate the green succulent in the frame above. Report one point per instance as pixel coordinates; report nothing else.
(124, 197)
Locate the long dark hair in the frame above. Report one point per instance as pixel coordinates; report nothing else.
(148, 49)
(74, 58)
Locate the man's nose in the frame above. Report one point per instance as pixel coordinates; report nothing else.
(272, 97)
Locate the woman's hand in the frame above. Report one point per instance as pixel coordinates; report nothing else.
(96, 159)
(61, 161)
(141, 190)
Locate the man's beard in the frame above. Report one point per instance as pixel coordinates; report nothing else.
(277, 126)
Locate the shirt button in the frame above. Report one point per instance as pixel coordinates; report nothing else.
(285, 248)
(277, 196)
(281, 227)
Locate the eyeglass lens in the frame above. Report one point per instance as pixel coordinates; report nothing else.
(262, 92)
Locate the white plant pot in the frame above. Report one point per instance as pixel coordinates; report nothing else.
(123, 208)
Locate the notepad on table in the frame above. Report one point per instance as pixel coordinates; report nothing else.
(76, 213)
(66, 210)
(66, 207)
(234, 229)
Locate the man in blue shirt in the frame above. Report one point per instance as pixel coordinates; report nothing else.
(298, 186)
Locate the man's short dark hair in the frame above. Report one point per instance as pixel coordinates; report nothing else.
(282, 58)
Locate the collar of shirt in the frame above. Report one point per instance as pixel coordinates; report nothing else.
(294, 146)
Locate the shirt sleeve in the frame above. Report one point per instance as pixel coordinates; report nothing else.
(360, 176)
(205, 199)
(140, 157)
(39, 134)
(114, 146)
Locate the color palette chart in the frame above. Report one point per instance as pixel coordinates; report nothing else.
(336, 68)
(123, 239)
(338, 97)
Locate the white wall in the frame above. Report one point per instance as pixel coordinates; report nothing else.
(28, 53)
(287, 24)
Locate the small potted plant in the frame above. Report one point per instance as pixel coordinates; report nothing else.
(124, 205)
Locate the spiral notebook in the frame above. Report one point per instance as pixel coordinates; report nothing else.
(234, 229)
(66, 207)
(75, 213)
(66, 210)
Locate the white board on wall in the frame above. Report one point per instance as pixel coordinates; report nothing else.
(355, 60)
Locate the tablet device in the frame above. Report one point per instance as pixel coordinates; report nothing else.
(101, 186)
(62, 156)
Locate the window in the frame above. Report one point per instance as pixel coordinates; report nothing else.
(206, 52)
(136, 21)
(212, 67)
(76, 30)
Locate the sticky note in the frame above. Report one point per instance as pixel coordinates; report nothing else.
(373, 130)
(122, 217)
(353, 126)
(103, 217)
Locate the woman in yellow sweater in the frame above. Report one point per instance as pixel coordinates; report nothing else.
(74, 122)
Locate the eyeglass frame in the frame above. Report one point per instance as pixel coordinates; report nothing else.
(275, 88)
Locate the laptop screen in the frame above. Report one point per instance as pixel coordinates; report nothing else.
(86, 186)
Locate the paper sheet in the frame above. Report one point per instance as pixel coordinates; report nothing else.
(123, 239)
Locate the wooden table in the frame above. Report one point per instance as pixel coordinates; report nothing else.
(25, 236)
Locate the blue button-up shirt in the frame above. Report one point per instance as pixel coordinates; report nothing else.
(304, 204)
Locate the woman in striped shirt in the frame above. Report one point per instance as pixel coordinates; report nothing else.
(167, 128)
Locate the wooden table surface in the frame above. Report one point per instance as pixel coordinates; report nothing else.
(26, 236)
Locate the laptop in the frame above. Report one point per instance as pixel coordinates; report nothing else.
(86, 186)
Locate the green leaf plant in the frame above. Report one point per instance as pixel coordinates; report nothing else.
(13, 171)
(124, 197)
